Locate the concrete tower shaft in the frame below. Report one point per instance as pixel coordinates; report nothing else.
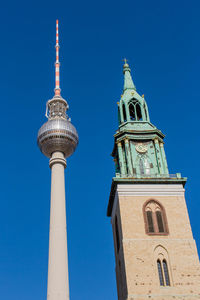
(58, 282)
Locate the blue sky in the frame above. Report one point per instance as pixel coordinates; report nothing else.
(161, 41)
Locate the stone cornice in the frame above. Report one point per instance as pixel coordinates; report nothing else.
(150, 187)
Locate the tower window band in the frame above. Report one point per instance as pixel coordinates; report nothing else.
(155, 218)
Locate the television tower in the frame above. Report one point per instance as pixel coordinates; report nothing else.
(57, 139)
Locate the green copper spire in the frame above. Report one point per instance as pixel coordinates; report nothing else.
(128, 81)
(139, 148)
(132, 107)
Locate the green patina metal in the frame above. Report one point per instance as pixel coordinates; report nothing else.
(138, 152)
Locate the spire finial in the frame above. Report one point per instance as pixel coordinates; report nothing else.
(57, 64)
(128, 81)
(125, 61)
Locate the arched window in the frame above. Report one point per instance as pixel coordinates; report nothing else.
(135, 110)
(166, 272)
(163, 269)
(162, 262)
(150, 221)
(155, 218)
(159, 219)
(132, 112)
(160, 273)
(117, 234)
(138, 112)
(124, 113)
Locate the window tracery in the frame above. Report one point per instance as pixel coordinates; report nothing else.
(155, 218)
(162, 262)
(163, 269)
(135, 111)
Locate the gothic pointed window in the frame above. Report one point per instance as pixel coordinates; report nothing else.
(132, 112)
(162, 261)
(155, 218)
(166, 272)
(163, 273)
(150, 221)
(135, 110)
(160, 273)
(124, 112)
(138, 112)
(159, 219)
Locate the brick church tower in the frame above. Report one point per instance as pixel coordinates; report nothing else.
(156, 255)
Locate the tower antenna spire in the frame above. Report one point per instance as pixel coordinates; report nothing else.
(57, 64)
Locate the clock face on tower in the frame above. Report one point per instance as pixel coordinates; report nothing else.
(141, 148)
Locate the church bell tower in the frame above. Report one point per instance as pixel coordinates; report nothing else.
(156, 255)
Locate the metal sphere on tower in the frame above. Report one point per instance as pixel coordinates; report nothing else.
(58, 133)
